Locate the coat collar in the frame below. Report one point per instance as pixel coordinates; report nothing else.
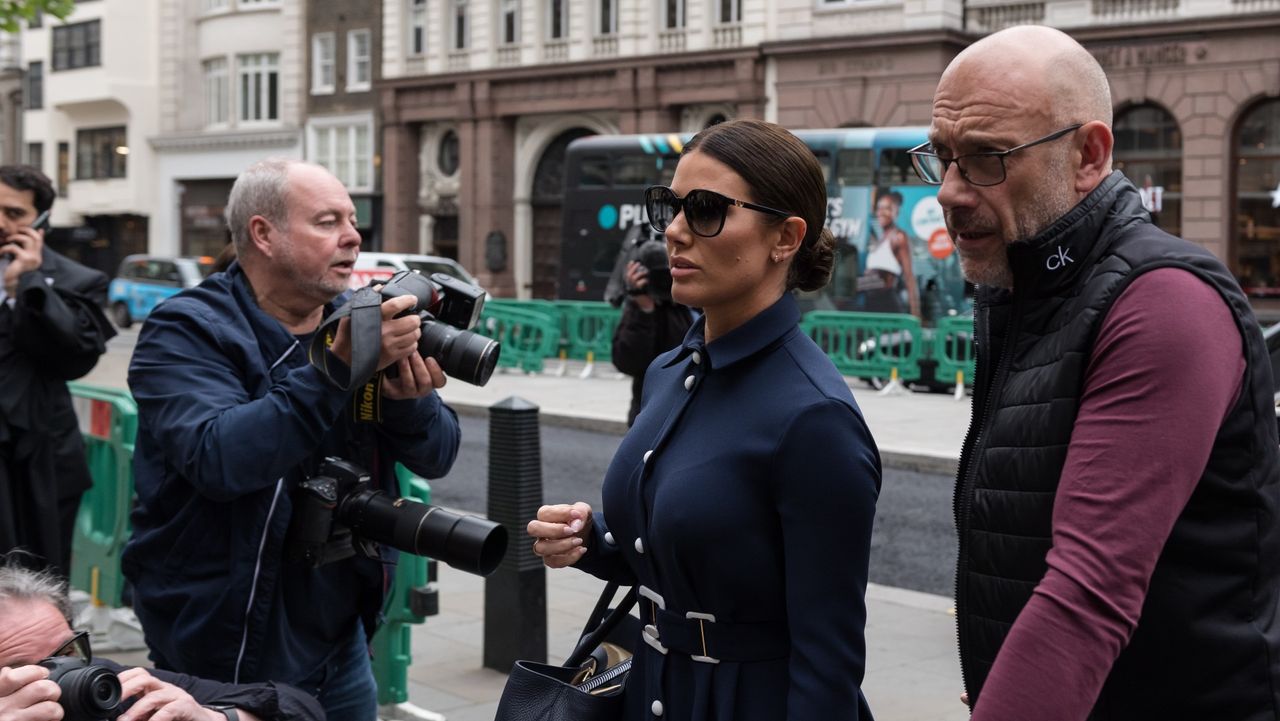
(273, 338)
(761, 331)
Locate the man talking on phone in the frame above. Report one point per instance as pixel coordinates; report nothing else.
(52, 330)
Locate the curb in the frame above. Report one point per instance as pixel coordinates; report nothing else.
(905, 459)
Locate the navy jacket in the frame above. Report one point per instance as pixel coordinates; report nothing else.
(745, 491)
(230, 418)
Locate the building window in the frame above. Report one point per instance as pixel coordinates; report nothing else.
(322, 63)
(1148, 149)
(37, 19)
(1256, 255)
(510, 22)
(35, 155)
(417, 27)
(729, 11)
(675, 14)
(257, 3)
(64, 168)
(557, 19)
(217, 92)
(259, 77)
(35, 86)
(608, 17)
(101, 153)
(211, 6)
(447, 157)
(359, 60)
(346, 149)
(77, 45)
(459, 25)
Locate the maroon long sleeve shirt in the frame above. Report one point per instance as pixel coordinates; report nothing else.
(1167, 366)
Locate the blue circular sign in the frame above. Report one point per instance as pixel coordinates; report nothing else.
(607, 217)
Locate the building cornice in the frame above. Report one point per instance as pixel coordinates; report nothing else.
(878, 41)
(242, 140)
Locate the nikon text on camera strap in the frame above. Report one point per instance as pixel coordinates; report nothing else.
(365, 310)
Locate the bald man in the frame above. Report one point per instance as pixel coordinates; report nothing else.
(1118, 494)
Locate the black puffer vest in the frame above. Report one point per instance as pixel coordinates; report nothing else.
(1207, 645)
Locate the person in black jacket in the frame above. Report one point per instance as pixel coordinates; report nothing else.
(35, 624)
(651, 321)
(52, 330)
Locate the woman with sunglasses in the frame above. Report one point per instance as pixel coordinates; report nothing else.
(741, 501)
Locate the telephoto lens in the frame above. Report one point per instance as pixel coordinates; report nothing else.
(468, 543)
(89, 692)
(461, 354)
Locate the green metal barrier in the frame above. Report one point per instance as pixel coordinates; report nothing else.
(109, 423)
(868, 345)
(391, 644)
(528, 335)
(589, 328)
(953, 349)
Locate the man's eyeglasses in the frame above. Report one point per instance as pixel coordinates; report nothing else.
(984, 169)
(77, 647)
(704, 210)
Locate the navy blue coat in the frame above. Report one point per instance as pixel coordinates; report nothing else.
(230, 418)
(745, 491)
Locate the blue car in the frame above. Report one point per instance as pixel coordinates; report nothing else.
(143, 281)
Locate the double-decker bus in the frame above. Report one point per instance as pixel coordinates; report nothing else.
(605, 176)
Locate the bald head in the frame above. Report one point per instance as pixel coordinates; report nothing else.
(1044, 68)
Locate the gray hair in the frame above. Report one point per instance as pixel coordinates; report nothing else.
(21, 584)
(260, 190)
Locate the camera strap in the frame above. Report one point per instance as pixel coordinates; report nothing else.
(365, 311)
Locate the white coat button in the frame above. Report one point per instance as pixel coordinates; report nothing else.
(656, 707)
(696, 358)
(639, 546)
(688, 383)
(647, 454)
(608, 538)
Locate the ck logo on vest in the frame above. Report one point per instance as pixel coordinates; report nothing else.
(1058, 260)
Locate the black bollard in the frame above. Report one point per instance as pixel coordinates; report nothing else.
(515, 595)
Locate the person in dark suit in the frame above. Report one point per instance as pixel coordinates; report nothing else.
(741, 500)
(52, 330)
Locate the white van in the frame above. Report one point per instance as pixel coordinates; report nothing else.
(380, 266)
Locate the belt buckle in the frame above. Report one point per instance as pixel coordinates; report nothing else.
(650, 636)
(701, 618)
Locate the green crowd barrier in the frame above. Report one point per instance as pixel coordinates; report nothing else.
(868, 345)
(528, 335)
(109, 424)
(391, 644)
(953, 349)
(589, 328)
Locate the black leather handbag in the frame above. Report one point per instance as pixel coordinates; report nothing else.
(585, 688)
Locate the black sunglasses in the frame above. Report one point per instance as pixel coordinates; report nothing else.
(704, 210)
(77, 647)
(983, 169)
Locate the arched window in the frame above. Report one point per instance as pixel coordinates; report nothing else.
(1256, 252)
(1149, 151)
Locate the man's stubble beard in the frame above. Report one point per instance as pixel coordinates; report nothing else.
(319, 289)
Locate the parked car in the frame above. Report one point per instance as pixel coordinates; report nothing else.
(143, 281)
(379, 266)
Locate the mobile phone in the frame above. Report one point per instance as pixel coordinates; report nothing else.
(42, 221)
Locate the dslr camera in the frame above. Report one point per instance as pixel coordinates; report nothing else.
(337, 513)
(89, 692)
(646, 246)
(448, 308)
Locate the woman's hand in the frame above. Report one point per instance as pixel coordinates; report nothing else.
(561, 532)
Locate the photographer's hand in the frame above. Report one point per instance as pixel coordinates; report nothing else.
(418, 377)
(26, 694)
(638, 281)
(161, 701)
(562, 532)
(26, 246)
(399, 335)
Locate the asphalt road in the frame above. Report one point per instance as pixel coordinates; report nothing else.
(913, 544)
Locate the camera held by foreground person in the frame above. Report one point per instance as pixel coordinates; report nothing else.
(89, 691)
(336, 513)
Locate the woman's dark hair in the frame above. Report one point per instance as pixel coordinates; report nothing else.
(782, 173)
(25, 177)
(894, 196)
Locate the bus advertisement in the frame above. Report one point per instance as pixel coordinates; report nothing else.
(873, 199)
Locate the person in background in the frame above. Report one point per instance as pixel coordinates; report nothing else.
(52, 330)
(741, 500)
(889, 262)
(1118, 494)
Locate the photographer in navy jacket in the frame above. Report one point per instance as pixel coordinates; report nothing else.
(232, 417)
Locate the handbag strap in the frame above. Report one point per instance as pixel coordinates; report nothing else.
(593, 637)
